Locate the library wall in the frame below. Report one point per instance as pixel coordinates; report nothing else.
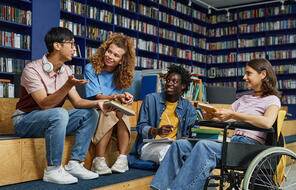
(213, 46)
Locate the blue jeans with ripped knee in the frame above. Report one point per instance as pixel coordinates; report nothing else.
(187, 166)
(54, 124)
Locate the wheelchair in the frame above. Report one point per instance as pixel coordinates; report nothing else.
(254, 167)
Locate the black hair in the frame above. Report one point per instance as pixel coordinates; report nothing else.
(57, 34)
(186, 77)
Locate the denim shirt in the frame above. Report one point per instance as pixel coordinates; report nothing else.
(150, 113)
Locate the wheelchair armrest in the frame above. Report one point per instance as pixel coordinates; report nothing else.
(232, 125)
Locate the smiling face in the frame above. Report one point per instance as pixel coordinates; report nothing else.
(253, 78)
(174, 85)
(113, 57)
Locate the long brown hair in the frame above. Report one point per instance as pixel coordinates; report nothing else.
(269, 82)
(124, 73)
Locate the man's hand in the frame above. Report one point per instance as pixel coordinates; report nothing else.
(126, 98)
(165, 130)
(162, 131)
(105, 109)
(72, 81)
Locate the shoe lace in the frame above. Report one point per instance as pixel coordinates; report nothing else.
(63, 172)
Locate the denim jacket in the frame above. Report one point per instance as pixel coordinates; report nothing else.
(150, 113)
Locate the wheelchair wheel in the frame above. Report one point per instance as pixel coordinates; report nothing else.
(273, 168)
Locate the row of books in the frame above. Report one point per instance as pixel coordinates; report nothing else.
(253, 13)
(242, 57)
(15, 40)
(267, 26)
(288, 99)
(125, 4)
(212, 59)
(221, 72)
(256, 42)
(74, 7)
(221, 31)
(96, 33)
(199, 29)
(284, 69)
(148, 11)
(76, 69)
(147, 28)
(76, 28)
(12, 65)
(99, 14)
(286, 84)
(6, 89)
(146, 62)
(14, 14)
(281, 54)
(125, 22)
(90, 51)
(146, 45)
(222, 45)
(269, 11)
(194, 91)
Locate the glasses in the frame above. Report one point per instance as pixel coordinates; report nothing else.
(73, 45)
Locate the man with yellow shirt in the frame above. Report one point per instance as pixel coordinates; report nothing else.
(164, 115)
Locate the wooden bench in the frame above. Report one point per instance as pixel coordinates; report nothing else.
(24, 159)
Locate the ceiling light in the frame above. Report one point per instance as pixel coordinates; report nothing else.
(283, 7)
(209, 10)
(189, 3)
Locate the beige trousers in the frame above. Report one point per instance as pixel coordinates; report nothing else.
(106, 122)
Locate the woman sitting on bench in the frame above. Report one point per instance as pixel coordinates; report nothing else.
(187, 166)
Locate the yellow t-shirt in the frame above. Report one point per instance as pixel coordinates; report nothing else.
(169, 117)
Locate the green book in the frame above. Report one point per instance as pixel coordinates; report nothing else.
(206, 131)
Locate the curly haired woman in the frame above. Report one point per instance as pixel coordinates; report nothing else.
(111, 71)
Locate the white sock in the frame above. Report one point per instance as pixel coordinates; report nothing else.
(100, 158)
(122, 156)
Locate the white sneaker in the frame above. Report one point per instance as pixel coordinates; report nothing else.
(76, 169)
(120, 165)
(58, 175)
(100, 167)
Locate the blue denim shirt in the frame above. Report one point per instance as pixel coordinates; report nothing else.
(151, 110)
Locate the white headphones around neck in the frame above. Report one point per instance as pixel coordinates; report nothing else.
(48, 66)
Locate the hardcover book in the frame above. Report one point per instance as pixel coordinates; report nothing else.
(120, 107)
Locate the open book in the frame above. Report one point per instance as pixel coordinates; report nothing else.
(158, 140)
(207, 107)
(122, 108)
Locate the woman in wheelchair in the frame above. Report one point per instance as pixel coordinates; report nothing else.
(188, 165)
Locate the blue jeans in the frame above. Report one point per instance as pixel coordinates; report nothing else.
(187, 166)
(54, 124)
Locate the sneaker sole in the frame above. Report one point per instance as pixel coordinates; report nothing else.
(59, 182)
(119, 171)
(100, 172)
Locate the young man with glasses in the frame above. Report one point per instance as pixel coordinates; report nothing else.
(45, 85)
(164, 115)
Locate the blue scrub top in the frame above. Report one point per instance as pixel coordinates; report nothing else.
(99, 84)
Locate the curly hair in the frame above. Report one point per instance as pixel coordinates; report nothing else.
(269, 82)
(124, 73)
(186, 77)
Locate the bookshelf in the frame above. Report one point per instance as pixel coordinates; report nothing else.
(261, 31)
(164, 32)
(15, 41)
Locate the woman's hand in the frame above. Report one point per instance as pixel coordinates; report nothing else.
(126, 98)
(223, 114)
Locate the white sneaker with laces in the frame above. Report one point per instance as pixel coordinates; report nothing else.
(58, 175)
(100, 167)
(121, 165)
(76, 169)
